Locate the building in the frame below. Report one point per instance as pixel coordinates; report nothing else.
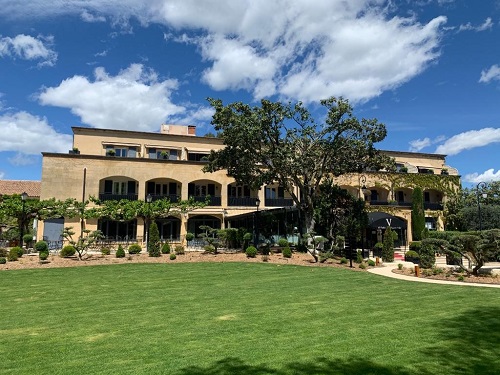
(117, 164)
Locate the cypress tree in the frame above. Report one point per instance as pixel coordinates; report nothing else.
(417, 214)
(154, 241)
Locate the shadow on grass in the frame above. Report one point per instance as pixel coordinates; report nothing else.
(322, 366)
(469, 343)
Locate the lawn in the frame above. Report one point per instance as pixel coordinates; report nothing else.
(239, 318)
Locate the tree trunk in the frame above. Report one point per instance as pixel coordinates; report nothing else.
(309, 223)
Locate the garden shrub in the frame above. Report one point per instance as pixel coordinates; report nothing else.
(105, 250)
(67, 251)
(302, 247)
(18, 250)
(43, 255)
(189, 236)
(173, 256)
(42, 247)
(412, 256)
(12, 257)
(3, 252)
(400, 266)
(135, 248)
(27, 239)
(282, 242)
(371, 263)
(120, 253)
(209, 249)
(287, 252)
(165, 248)
(343, 260)
(362, 266)
(415, 246)
(359, 257)
(264, 249)
(179, 250)
(251, 252)
(388, 245)
(427, 255)
(3, 260)
(154, 241)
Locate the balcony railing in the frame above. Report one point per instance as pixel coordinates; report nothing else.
(117, 197)
(173, 198)
(279, 202)
(213, 201)
(244, 202)
(378, 203)
(433, 206)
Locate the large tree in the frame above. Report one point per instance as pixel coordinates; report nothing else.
(417, 214)
(282, 143)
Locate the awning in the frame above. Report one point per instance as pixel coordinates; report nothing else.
(382, 220)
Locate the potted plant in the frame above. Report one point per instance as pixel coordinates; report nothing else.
(164, 155)
(111, 152)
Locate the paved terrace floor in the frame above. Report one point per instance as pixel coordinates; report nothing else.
(386, 270)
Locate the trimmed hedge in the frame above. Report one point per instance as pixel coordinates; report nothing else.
(251, 252)
(135, 248)
(67, 251)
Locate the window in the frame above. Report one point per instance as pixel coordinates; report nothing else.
(374, 195)
(238, 191)
(156, 153)
(122, 151)
(196, 156)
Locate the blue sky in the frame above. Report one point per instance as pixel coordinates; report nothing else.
(428, 69)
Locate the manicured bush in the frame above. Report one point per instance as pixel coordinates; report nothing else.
(209, 249)
(400, 266)
(412, 256)
(388, 245)
(3, 260)
(287, 252)
(173, 256)
(165, 248)
(28, 239)
(18, 250)
(362, 266)
(302, 247)
(120, 253)
(154, 241)
(12, 257)
(251, 252)
(43, 255)
(343, 260)
(67, 251)
(3, 252)
(282, 242)
(42, 247)
(427, 255)
(415, 246)
(179, 250)
(359, 257)
(135, 248)
(189, 236)
(371, 263)
(105, 251)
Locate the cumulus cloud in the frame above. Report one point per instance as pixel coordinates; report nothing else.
(487, 176)
(30, 135)
(294, 48)
(134, 99)
(419, 144)
(469, 140)
(92, 18)
(27, 47)
(492, 74)
(486, 25)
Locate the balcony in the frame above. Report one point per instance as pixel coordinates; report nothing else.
(279, 202)
(433, 206)
(172, 197)
(243, 202)
(213, 201)
(117, 197)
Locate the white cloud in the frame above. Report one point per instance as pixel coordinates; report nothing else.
(487, 176)
(134, 99)
(27, 47)
(486, 25)
(91, 18)
(294, 48)
(2, 175)
(469, 140)
(30, 135)
(21, 159)
(418, 144)
(493, 73)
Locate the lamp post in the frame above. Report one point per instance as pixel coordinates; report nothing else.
(149, 199)
(256, 241)
(362, 188)
(484, 195)
(21, 229)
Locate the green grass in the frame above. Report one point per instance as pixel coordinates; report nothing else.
(230, 318)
